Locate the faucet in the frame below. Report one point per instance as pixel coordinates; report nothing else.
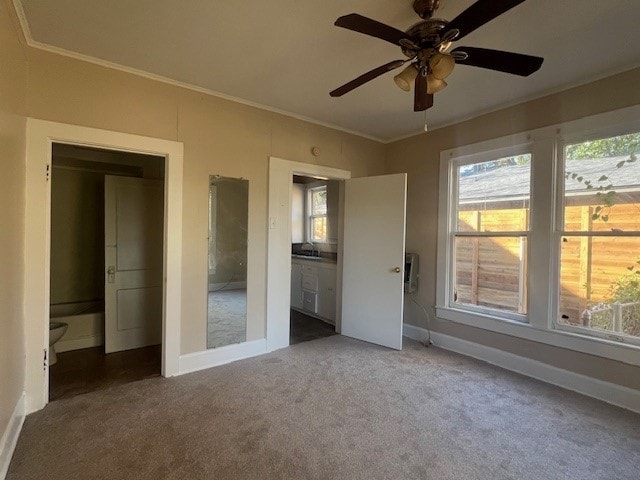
(313, 247)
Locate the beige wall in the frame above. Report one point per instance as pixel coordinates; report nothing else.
(333, 211)
(219, 136)
(419, 156)
(77, 236)
(12, 198)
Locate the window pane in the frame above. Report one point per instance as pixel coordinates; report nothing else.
(494, 196)
(491, 272)
(319, 201)
(503, 220)
(319, 229)
(602, 185)
(600, 283)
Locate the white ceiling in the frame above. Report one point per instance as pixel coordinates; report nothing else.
(287, 55)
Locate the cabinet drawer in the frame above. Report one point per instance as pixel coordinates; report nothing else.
(311, 269)
(310, 282)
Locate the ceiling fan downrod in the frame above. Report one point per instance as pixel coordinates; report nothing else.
(425, 8)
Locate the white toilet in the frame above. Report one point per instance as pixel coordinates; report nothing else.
(56, 331)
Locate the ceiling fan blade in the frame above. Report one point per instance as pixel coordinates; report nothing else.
(508, 62)
(421, 100)
(366, 77)
(365, 25)
(481, 12)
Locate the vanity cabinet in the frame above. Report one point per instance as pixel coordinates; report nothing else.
(313, 288)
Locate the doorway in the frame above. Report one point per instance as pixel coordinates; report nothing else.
(315, 205)
(41, 135)
(281, 174)
(370, 256)
(106, 247)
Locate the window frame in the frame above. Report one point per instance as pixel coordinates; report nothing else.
(455, 164)
(544, 241)
(309, 216)
(571, 138)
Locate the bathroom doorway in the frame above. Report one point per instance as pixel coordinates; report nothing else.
(41, 135)
(106, 264)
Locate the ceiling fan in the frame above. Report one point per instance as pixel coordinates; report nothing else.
(426, 46)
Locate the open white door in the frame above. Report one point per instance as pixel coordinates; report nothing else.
(133, 258)
(373, 259)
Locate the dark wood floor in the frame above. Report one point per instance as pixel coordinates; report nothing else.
(89, 369)
(304, 328)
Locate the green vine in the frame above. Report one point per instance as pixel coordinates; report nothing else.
(604, 190)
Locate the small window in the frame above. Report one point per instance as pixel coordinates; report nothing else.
(317, 208)
(490, 234)
(600, 237)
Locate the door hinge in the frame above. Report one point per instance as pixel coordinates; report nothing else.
(48, 172)
(45, 359)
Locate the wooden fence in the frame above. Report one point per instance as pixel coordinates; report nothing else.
(591, 265)
(491, 271)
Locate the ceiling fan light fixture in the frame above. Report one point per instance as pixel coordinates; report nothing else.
(405, 79)
(435, 85)
(442, 65)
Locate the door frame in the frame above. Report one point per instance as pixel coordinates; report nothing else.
(40, 137)
(279, 243)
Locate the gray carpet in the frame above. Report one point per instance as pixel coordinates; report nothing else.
(333, 408)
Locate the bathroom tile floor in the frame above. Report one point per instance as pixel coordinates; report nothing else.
(304, 328)
(89, 369)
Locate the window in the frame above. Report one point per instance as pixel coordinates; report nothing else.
(489, 237)
(600, 237)
(539, 235)
(317, 214)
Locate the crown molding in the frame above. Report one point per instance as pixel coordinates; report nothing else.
(26, 31)
(159, 78)
(513, 103)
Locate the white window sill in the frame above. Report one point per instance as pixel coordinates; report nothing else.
(600, 347)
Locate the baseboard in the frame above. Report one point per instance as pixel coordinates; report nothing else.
(415, 333)
(618, 395)
(192, 362)
(10, 436)
(79, 343)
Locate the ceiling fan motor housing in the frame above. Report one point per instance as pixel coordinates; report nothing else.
(427, 34)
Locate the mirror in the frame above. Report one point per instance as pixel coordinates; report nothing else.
(227, 280)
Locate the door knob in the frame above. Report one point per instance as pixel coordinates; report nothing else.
(397, 269)
(111, 274)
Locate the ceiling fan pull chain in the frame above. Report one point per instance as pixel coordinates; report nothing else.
(426, 127)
